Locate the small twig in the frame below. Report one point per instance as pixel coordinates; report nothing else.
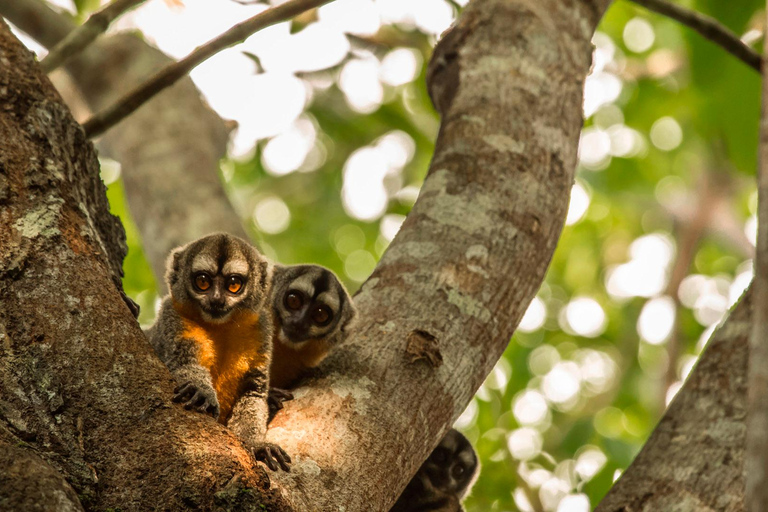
(708, 27)
(756, 454)
(85, 34)
(167, 76)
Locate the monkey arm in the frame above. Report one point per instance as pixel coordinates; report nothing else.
(249, 421)
(180, 354)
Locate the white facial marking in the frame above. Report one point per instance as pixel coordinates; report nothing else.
(204, 263)
(330, 299)
(236, 267)
(304, 285)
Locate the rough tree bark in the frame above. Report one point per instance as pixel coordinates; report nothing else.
(84, 403)
(507, 81)
(169, 149)
(454, 282)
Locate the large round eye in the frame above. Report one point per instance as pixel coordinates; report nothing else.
(202, 281)
(234, 284)
(294, 300)
(321, 315)
(458, 471)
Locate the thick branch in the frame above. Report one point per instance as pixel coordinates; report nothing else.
(756, 464)
(169, 75)
(470, 256)
(78, 39)
(708, 27)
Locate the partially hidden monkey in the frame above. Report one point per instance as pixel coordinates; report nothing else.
(444, 479)
(312, 313)
(214, 332)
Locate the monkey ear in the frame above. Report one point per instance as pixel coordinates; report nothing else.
(173, 265)
(350, 318)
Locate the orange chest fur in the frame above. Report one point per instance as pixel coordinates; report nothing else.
(289, 364)
(228, 351)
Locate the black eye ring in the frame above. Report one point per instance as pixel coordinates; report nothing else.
(202, 281)
(294, 300)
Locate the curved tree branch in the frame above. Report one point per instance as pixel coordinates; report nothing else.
(693, 461)
(85, 34)
(709, 28)
(508, 81)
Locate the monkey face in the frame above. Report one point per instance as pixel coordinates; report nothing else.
(309, 303)
(452, 466)
(219, 274)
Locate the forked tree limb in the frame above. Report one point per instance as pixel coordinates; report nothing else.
(756, 463)
(169, 75)
(707, 27)
(464, 267)
(85, 34)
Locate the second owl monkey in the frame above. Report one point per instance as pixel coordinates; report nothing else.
(214, 332)
(312, 314)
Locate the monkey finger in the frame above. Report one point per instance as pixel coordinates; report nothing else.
(265, 455)
(195, 400)
(184, 393)
(178, 389)
(282, 458)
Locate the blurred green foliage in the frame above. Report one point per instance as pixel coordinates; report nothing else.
(633, 192)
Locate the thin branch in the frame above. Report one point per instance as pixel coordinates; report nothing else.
(756, 456)
(167, 76)
(708, 27)
(80, 38)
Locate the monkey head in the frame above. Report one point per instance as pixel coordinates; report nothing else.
(218, 274)
(310, 303)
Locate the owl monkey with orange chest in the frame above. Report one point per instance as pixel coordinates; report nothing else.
(214, 332)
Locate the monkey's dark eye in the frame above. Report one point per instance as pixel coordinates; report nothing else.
(294, 300)
(234, 284)
(321, 315)
(458, 471)
(202, 281)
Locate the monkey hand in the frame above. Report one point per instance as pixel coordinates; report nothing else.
(201, 397)
(271, 455)
(276, 398)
